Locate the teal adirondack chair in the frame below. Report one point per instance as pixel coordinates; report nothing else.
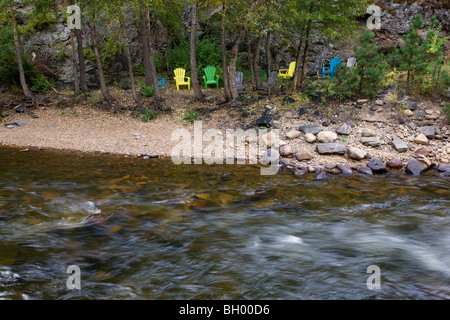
(331, 70)
(210, 76)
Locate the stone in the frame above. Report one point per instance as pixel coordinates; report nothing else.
(286, 151)
(344, 129)
(330, 166)
(444, 167)
(421, 113)
(365, 170)
(362, 101)
(264, 121)
(303, 154)
(408, 113)
(310, 128)
(399, 145)
(376, 165)
(356, 153)
(310, 138)
(394, 164)
(422, 158)
(367, 132)
(17, 123)
(325, 123)
(321, 176)
(326, 136)
(428, 131)
(421, 139)
(299, 172)
(412, 126)
(345, 169)
(373, 108)
(331, 148)
(429, 111)
(292, 134)
(411, 106)
(270, 156)
(433, 116)
(415, 167)
(379, 102)
(371, 141)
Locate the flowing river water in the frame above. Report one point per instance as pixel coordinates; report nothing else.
(154, 230)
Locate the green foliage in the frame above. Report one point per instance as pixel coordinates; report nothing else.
(62, 55)
(191, 116)
(40, 84)
(148, 114)
(38, 21)
(446, 109)
(147, 91)
(89, 54)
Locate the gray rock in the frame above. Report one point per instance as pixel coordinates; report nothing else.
(321, 176)
(428, 131)
(376, 165)
(411, 106)
(415, 167)
(331, 148)
(299, 172)
(344, 169)
(366, 132)
(444, 167)
(344, 129)
(310, 128)
(326, 136)
(421, 113)
(412, 126)
(371, 141)
(399, 145)
(355, 153)
(365, 170)
(373, 108)
(17, 123)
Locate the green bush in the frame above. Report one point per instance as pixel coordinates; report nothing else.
(191, 116)
(147, 91)
(148, 114)
(38, 21)
(446, 109)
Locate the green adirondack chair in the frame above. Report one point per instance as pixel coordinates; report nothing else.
(210, 76)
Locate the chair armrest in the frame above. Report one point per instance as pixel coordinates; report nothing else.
(283, 71)
(323, 69)
(217, 77)
(189, 79)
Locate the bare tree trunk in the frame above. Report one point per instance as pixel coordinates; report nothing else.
(305, 53)
(74, 62)
(297, 78)
(101, 74)
(257, 67)
(146, 48)
(81, 61)
(130, 63)
(23, 82)
(195, 84)
(224, 57)
(250, 63)
(268, 53)
(154, 76)
(233, 59)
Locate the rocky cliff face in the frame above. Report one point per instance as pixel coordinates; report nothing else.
(395, 22)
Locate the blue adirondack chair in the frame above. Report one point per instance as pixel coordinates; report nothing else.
(331, 70)
(162, 82)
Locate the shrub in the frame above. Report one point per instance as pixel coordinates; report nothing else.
(148, 114)
(147, 91)
(446, 109)
(191, 116)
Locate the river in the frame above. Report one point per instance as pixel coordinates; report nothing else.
(154, 230)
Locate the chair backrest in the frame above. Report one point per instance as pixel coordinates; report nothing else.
(210, 72)
(291, 68)
(351, 62)
(239, 78)
(179, 73)
(272, 78)
(334, 63)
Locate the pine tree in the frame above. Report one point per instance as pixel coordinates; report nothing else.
(369, 69)
(412, 56)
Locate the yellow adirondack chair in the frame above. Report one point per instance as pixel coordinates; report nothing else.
(180, 79)
(287, 73)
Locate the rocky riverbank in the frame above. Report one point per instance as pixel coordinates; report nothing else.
(360, 136)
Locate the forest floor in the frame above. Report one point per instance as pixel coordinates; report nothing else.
(89, 125)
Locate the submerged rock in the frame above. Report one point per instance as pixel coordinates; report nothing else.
(415, 167)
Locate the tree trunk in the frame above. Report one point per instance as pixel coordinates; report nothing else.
(23, 83)
(74, 60)
(154, 76)
(296, 78)
(81, 61)
(224, 57)
(101, 74)
(130, 63)
(250, 63)
(256, 65)
(233, 59)
(194, 77)
(305, 53)
(268, 53)
(146, 48)
(408, 76)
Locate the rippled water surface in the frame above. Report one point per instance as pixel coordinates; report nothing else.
(153, 230)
